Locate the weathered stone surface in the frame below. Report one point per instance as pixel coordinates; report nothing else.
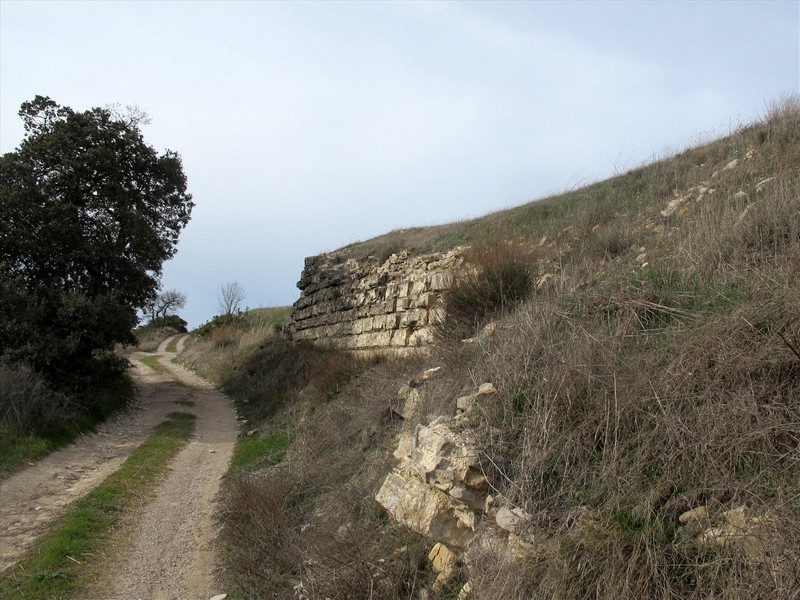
(511, 519)
(442, 558)
(365, 305)
(466, 403)
(750, 535)
(699, 514)
(673, 206)
(424, 509)
(486, 389)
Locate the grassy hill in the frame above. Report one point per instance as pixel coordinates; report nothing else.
(649, 366)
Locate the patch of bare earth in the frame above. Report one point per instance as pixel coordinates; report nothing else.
(166, 550)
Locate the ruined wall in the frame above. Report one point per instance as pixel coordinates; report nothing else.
(365, 305)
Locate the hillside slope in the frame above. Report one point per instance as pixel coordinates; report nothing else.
(641, 434)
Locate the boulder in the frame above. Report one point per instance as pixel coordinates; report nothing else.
(424, 509)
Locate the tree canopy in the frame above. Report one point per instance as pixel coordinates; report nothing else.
(88, 214)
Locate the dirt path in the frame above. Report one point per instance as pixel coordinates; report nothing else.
(167, 551)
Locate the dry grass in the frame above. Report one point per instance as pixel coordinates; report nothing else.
(28, 404)
(658, 373)
(495, 278)
(312, 520)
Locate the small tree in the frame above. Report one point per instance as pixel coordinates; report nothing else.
(231, 298)
(166, 302)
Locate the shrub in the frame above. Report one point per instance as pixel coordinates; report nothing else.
(225, 336)
(27, 403)
(495, 277)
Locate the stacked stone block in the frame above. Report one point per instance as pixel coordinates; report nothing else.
(388, 307)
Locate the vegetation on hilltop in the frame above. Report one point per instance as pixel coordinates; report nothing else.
(89, 214)
(646, 356)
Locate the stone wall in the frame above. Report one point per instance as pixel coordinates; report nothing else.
(366, 305)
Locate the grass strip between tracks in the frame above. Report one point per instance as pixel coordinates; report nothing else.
(61, 562)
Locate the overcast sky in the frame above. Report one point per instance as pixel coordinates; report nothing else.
(306, 126)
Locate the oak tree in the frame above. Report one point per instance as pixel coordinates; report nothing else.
(89, 212)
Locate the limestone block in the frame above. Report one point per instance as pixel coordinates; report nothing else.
(421, 337)
(465, 403)
(424, 509)
(486, 389)
(382, 338)
(415, 317)
(442, 558)
(427, 299)
(511, 519)
(470, 498)
(400, 337)
(405, 442)
(750, 535)
(440, 281)
(699, 514)
(360, 325)
(404, 289)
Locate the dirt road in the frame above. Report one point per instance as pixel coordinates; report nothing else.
(166, 551)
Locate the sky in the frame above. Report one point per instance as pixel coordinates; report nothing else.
(306, 126)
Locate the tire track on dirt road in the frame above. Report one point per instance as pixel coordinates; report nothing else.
(166, 550)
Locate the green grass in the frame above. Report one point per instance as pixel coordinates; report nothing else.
(153, 363)
(18, 449)
(253, 453)
(59, 565)
(173, 345)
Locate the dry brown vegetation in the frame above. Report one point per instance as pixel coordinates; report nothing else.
(656, 370)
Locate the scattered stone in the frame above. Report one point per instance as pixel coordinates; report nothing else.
(464, 403)
(673, 206)
(731, 165)
(751, 535)
(642, 258)
(750, 153)
(763, 182)
(465, 591)
(544, 280)
(442, 558)
(219, 597)
(695, 515)
(543, 241)
(468, 497)
(486, 389)
(740, 194)
(428, 373)
(511, 519)
(443, 561)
